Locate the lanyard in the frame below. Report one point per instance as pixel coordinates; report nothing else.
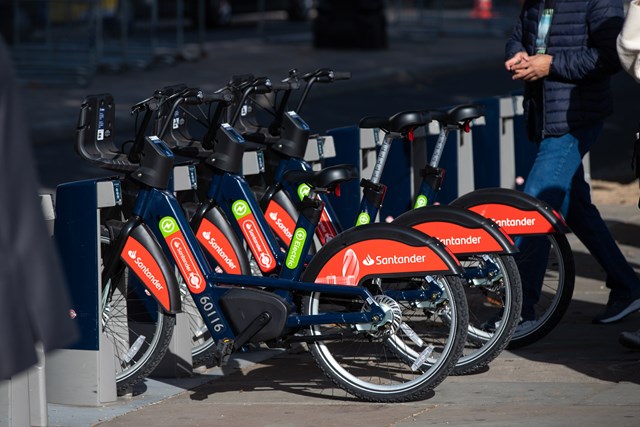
(542, 38)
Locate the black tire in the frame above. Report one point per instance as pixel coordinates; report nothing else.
(557, 292)
(379, 367)
(131, 317)
(494, 311)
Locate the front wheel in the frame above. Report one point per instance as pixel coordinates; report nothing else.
(137, 327)
(404, 362)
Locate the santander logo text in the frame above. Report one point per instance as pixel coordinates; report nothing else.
(145, 270)
(186, 263)
(378, 256)
(182, 254)
(219, 250)
(258, 246)
(273, 216)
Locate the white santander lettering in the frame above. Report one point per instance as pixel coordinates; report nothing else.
(396, 260)
(457, 241)
(148, 274)
(216, 247)
(518, 222)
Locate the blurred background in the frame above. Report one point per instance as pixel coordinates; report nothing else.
(67, 42)
(403, 54)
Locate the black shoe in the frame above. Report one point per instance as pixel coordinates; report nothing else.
(617, 309)
(630, 339)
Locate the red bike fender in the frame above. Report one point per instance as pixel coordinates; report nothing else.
(280, 221)
(145, 258)
(461, 230)
(515, 212)
(406, 251)
(216, 243)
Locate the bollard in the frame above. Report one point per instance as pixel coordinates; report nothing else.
(83, 374)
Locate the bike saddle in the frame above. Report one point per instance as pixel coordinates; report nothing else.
(460, 113)
(400, 122)
(329, 177)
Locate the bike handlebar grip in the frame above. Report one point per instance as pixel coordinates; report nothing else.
(341, 75)
(224, 96)
(151, 103)
(191, 100)
(263, 88)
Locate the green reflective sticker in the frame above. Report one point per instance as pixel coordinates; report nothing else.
(421, 201)
(240, 209)
(168, 226)
(295, 248)
(303, 190)
(363, 219)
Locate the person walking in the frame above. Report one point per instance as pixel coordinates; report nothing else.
(564, 51)
(628, 46)
(628, 42)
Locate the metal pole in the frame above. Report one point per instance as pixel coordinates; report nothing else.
(124, 30)
(201, 26)
(154, 25)
(99, 41)
(180, 24)
(261, 19)
(15, 31)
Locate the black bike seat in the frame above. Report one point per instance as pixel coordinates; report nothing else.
(399, 122)
(329, 177)
(457, 114)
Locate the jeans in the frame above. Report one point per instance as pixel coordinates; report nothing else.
(557, 177)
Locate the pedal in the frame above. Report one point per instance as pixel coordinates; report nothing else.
(222, 351)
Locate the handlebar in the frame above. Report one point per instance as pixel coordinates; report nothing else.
(322, 75)
(223, 96)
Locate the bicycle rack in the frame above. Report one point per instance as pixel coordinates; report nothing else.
(84, 373)
(319, 148)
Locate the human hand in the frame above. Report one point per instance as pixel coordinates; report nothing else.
(532, 68)
(517, 59)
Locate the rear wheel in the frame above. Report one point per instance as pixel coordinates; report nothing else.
(409, 357)
(556, 295)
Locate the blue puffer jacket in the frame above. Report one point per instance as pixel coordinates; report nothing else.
(582, 41)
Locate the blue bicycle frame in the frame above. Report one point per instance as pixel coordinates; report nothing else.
(162, 213)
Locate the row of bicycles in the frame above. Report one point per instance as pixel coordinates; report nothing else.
(387, 309)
